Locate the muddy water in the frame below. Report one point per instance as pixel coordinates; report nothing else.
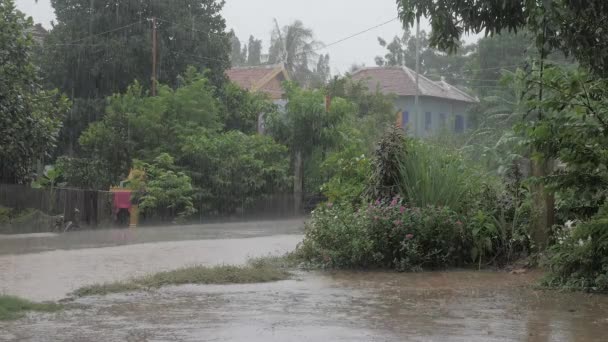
(447, 306)
(315, 306)
(69, 261)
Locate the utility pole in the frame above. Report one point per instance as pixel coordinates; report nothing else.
(153, 56)
(416, 104)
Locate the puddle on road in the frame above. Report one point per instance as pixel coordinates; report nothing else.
(343, 306)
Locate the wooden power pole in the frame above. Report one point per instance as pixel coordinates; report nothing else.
(153, 56)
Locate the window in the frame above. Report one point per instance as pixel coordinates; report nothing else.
(405, 119)
(443, 120)
(459, 124)
(428, 121)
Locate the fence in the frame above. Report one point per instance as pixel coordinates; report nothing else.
(94, 207)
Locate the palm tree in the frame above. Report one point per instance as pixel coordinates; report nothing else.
(295, 46)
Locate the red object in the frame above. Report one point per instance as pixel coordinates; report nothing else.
(327, 103)
(122, 200)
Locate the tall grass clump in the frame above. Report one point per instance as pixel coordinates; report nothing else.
(432, 175)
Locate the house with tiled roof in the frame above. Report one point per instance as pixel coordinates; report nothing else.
(441, 106)
(267, 79)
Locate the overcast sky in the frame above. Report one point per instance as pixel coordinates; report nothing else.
(331, 20)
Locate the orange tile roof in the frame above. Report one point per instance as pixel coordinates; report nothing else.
(257, 77)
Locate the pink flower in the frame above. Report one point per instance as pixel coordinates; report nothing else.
(394, 202)
(397, 222)
(377, 202)
(402, 209)
(330, 205)
(409, 236)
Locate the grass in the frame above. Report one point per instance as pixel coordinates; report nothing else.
(256, 271)
(14, 307)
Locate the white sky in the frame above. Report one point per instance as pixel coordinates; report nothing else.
(331, 20)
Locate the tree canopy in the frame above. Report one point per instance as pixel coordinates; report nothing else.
(30, 117)
(98, 48)
(576, 27)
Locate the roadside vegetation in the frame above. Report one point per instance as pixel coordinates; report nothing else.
(14, 307)
(529, 178)
(256, 271)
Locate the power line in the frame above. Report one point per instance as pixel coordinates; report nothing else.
(356, 34)
(101, 33)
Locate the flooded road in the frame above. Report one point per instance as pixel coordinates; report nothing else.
(344, 306)
(49, 266)
(314, 306)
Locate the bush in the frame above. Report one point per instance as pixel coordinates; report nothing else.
(385, 235)
(349, 170)
(431, 175)
(580, 261)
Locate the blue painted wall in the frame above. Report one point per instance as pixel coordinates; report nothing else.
(435, 115)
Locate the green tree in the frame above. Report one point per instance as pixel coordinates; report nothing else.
(574, 27)
(98, 48)
(307, 127)
(137, 126)
(374, 110)
(295, 46)
(255, 51)
(164, 192)
(573, 131)
(231, 170)
(434, 64)
(238, 56)
(30, 117)
(242, 108)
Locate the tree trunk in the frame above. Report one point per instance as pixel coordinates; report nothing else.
(297, 182)
(543, 217)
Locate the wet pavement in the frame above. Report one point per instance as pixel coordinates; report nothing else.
(49, 266)
(314, 306)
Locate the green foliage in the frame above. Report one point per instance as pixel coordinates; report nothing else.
(85, 173)
(241, 108)
(14, 308)
(256, 272)
(87, 64)
(573, 129)
(483, 231)
(386, 165)
(580, 261)
(30, 117)
(573, 27)
(165, 192)
(431, 175)
(374, 110)
(386, 235)
(401, 51)
(349, 172)
(140, 127)
(231, 170)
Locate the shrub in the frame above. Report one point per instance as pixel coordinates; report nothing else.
(385, 165)
(431, 175)
(349, 172)
(580, 261)
(386, 234)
